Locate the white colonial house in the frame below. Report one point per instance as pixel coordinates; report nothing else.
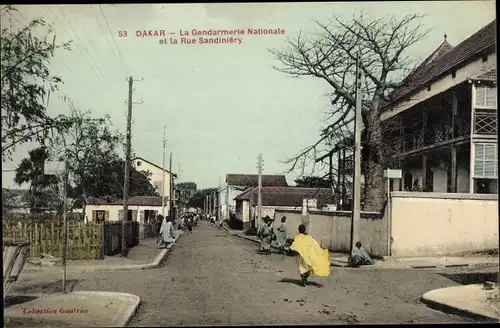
(157, 173)
(140, 208)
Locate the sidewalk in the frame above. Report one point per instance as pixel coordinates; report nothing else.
(146, 255)
(472, 301)
(83, 309)
(340, 259)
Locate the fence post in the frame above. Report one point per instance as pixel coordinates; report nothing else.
(103, 240)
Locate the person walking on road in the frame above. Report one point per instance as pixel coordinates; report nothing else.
(159, 222)
(265, 235)
(311, 257)
(281, 234)
(189, 224)
(167, 231)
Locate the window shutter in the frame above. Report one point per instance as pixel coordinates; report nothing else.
(486, 96)
(106, 216)
(94, 215)
(480, 96)
(120, 215)
(486, 161)
(134, 215)
(491, 97)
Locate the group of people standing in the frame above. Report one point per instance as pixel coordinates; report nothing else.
(188, 221)
(269, 236)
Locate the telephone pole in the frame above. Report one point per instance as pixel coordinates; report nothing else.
(228, 216)
(128, 147)
(260, 164)
(356, 176)
(214, 203)
(163, 175)
(171, 202)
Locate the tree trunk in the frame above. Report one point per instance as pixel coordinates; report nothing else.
(374, 175)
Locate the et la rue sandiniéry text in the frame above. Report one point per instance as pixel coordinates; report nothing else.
(196, 36)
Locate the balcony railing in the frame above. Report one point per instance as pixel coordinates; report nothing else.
(485, 122)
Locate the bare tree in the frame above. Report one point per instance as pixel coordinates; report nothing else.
(330, 55)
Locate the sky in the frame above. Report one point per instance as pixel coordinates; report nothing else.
(221, 104)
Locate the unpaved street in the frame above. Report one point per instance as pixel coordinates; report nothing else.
(213, 278)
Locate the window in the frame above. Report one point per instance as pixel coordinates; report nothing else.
(453, 74)
(429, 87)
(486, 163)
(139, 163)
(484, 58)
(100, 216)
(486, 96)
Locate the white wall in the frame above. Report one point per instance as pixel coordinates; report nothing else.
(332, 230)
(115, 209)
(430, 224)
(156, 175)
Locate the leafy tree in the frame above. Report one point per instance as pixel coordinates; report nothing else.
(187, 191)
(312, 182)
(8, 202)
(198, 199)
(108, 181)
(24, 74)
(43, 189)
(331, 55)
(87, 146)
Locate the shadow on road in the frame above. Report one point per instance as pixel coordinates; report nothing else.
(17, 299)
(338, 265)
(46, 288)
(299, 283)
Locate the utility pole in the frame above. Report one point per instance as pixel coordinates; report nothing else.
(171, 201)
(215, 203)
(163, 175)
(219, 201)
(228, 216)
(356, 177)
(65, 223)
(128, 148)
(260, 164)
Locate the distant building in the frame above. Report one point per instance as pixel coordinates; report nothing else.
(237, 183)
(279, 198)
(143, 165)
(140, 208)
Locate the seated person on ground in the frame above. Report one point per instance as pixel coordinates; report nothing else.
(359, 256)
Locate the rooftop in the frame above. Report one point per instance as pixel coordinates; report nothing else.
(153, 164)
(288, 196)
(447, 58)
(251, 180)
(132, 201)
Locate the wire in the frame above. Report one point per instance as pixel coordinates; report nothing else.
(114, 41)
(100, 75)
(92, 94)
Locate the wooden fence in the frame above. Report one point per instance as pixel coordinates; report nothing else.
(147, 231)
(113, 236)
(85, 241)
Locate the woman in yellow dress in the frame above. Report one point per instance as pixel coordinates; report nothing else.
(311, 257)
